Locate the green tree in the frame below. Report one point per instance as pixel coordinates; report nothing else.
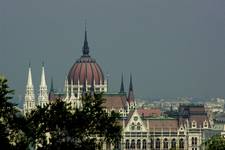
(216, 142)
(58, 126)
(9, 117)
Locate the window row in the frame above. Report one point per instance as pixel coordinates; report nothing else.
(157, 144)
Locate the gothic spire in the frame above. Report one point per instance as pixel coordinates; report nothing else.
(85, 48)
(29, 78)
(43, 81)
(131, 92)
(122, 85)
(131, 84)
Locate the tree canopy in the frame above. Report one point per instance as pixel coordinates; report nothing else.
(57, 125)
(216, 142)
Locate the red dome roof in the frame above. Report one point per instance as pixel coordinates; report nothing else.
(86, 68)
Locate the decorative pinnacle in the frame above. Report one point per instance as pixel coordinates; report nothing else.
(122, 85)
(131, 84)
(85, 48)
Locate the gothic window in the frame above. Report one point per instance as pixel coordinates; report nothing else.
(132, 144)
(117, 145)
(157, 144)
(144, 144)
(192, 141)
(138, 144)
(194, 124)
(151, 143)
(181, 144)
(205, 124)
(173, 143)
(196, 141)
(138, 126)
(165, 144)
(127, 144)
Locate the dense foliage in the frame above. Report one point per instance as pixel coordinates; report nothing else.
(216, 142)
(57, 125)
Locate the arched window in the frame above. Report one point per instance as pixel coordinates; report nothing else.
(117, 145)
(205, 124)
(196, 141)
(192, 141)
(138, 126)
(151, 143)
(194, 124)
(144, 144)
(127, 144)
(138, 144)
(173, 143)
(157, 144)
(181, 144)
(165, 143)
(132, 144)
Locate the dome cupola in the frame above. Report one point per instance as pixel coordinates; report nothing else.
(86, 69)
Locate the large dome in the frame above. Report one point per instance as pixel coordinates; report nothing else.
(86, 68)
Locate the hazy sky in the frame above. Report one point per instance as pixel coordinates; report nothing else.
(172, 47)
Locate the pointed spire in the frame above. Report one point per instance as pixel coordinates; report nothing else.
(131, 84)
(85, 48)
(29, 78)
(43, 81)
(122, 85)
(131, 93)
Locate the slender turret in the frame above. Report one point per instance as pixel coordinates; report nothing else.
(122, 86)
(85, 48)
(29, 102)
(130, 98)
(43, 91)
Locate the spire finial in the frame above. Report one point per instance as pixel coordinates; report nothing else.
(29, 78)
(131, 84)
(85, 48)
(43, 81)
(122, 85)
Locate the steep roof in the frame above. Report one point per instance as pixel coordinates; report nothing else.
(148, 112)
(115, 101)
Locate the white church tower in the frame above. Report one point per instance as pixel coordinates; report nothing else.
(29, 103)
(43, 91)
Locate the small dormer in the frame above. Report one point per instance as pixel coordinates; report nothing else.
(193, 124)
(205, 124)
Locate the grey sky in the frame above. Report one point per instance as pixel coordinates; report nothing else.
(172, 47)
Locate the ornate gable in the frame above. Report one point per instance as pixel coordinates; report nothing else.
(134, 123)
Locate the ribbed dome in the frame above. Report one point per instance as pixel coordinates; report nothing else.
(86, 68)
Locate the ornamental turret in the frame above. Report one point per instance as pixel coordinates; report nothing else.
(43, 90)
(29, 102)
(130, 99)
